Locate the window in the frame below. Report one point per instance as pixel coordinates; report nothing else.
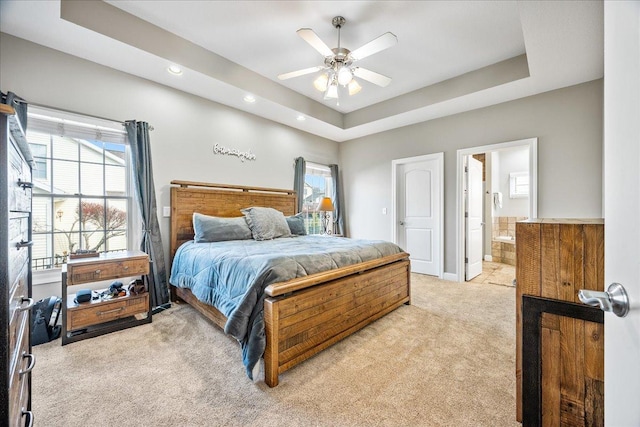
(39, 151)
(317, 184)
(81, 196)
(518, 185)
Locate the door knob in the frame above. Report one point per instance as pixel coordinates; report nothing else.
(401, 222)
(614, 300)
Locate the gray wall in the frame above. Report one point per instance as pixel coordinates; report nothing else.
(186, 126)
(567, 123)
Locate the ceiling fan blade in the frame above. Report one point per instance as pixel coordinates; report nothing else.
(292, 74)
(383, 42)
(372, 77)
(312, 38)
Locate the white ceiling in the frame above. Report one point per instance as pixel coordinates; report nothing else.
(231, 48)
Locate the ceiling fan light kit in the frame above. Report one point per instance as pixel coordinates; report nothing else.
(345, 75)
(338, 66)
(332, 92)
(354, 87)
(321, 82)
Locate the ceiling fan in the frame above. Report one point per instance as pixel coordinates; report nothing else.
(339, 68)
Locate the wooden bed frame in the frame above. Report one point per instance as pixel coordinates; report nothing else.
(302, 316)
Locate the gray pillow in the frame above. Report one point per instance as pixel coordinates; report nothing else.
(266, 223)
(296, 224)
(215, 229)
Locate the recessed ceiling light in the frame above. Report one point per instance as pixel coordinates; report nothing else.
(301, 118)
(174, 69)
(249, 98)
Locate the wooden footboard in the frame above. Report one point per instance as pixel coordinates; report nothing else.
(301, 323)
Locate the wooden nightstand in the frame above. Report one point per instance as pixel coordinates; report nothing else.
(100, 316)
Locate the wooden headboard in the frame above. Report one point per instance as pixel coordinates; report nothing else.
(219, 200)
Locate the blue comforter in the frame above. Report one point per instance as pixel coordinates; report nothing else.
(232, 276)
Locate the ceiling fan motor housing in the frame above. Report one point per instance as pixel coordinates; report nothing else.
(338, 21)
(340, 57)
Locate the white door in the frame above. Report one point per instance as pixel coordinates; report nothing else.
(473, 217)
(622, 208)
(419, 211)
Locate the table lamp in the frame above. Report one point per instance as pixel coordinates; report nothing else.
(326, 206)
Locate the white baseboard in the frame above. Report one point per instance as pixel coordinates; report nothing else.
(488, 258)
(452, 277)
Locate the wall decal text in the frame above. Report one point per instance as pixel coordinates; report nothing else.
(243, 155)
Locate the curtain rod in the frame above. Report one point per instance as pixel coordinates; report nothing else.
(20, 101)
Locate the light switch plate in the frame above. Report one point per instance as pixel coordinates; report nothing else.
(166, 211)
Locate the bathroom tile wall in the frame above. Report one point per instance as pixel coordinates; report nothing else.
(504, 252)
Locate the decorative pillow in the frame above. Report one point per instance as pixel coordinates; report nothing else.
(296, 224)
(266, 223)
(215, 229)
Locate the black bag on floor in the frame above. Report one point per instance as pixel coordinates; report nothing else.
(44, 320)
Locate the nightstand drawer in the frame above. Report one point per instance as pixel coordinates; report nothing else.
(108, 270)
(95, 313)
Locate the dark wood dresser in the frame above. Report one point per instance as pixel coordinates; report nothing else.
(15, 268)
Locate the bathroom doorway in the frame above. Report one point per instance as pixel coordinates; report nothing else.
(489, 204)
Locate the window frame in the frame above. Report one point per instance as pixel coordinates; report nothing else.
(516, 190)
(314, 216)
(82, 129)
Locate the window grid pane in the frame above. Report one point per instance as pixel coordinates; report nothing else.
(92, 179)
(65, 176)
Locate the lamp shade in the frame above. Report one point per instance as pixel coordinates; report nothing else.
(326, 204)
(344, 75)
(321, 82)
(332, 91)
(354, 87)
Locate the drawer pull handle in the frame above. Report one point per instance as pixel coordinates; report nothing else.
(30, 415)
(24, 244)
(97, 271)
(28, 306)
(25, 184)
(126, 267)
(32, 363)
(115, 310)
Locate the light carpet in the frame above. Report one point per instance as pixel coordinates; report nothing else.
(448, 359)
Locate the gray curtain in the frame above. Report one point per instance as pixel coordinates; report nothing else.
(138, 133)
(338, 202)
(18, 104)
(298, 180)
